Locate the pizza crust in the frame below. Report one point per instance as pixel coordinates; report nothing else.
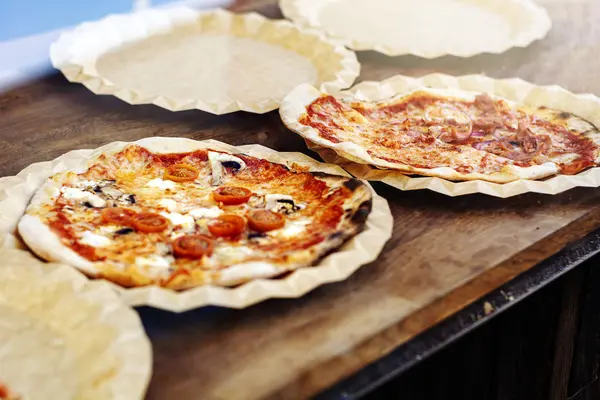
(294, 107)
(47, 245)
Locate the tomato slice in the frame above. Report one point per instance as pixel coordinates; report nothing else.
(149, 222)
(192, 246)
(265, 220)
(181, 173)
(3, 392)
(227, 225)
(231, 195)
(118, 215)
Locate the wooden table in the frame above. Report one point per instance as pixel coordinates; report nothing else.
(445, 252)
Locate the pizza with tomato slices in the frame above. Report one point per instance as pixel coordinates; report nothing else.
(448, 133)
(6, 394)
(183, 219)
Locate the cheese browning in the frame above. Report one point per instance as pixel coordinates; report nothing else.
(481, 135)
(133, 182)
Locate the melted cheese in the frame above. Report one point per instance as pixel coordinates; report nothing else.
(185, 221)
(154, 264)
(94, 240)
(170, 204)
(87, 183)
(161, 184)
(231, 255)
(212, 212)
(291, 229)
(70, 193)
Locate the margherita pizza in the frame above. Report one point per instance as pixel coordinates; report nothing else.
(6, 394)
(180, 220)
(447, 133)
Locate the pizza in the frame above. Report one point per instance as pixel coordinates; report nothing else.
(448, 133)
(6, 394)
(141, 217)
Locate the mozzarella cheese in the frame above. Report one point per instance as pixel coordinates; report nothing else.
(161, 184)
(230, 255)
(185, 221)
(211, 212)
(87, 183)
(94, 240)
(169, 204)
(154, 264)
(216, 166)
(70, 193)
(108, 229)
(292, 228)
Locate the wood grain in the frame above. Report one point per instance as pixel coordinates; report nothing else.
(445, 252)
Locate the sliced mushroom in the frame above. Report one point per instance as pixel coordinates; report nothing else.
(220, 160)
(282, 203)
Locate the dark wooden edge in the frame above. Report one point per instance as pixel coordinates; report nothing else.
(451, 329)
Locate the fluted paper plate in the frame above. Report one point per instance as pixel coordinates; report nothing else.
(63, 337)
(15, 193)
(425, 28)
(215, 61)
(586, 106)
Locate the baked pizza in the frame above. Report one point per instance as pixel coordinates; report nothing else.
(6, 394)
(447, 133)
(203, 217)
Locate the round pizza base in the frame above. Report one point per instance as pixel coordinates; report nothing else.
(359, 250)
(214, 61)
(426, 28)
(583, 105)
(64, 337)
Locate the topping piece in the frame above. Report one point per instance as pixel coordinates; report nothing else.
(85, 197)
(212, 212)
(169, 204)
(154, 264)
(265, 220)
(231, 195)
(91, 239)
(181, 173)
(282, 203)
(227, 225)
(160, 184)
(185, 221)
(117, 215)
(220, 160)
(149, 222)
(192, 246)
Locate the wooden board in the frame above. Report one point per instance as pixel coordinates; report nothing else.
(445, 252)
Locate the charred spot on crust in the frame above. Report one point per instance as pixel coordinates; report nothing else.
(131, 198)
(362, 213)
(124, 231)
(319, 174)
(97, 189)
(88, 204)
(352, 184)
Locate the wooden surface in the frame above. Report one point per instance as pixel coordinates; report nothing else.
(445, 252)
